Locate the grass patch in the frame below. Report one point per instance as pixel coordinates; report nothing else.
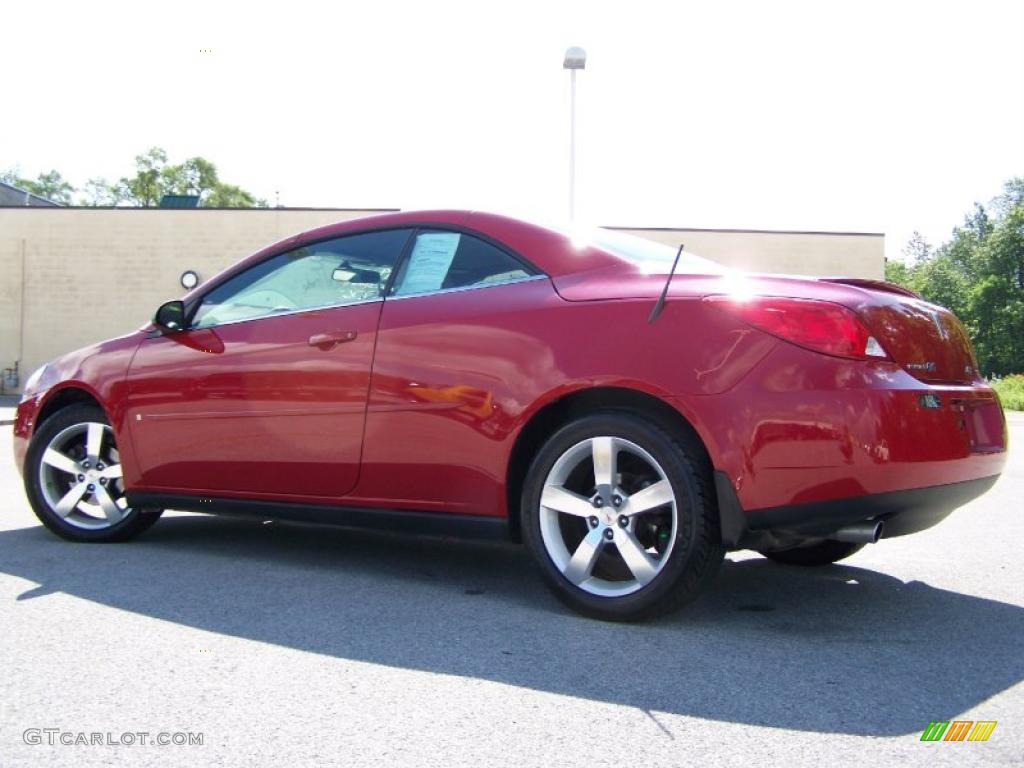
(1011, 391)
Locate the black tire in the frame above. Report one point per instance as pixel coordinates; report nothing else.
(79, 525)
(823, 553)
(696, 551)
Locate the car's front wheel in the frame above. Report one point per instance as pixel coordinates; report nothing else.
(621, 517)
(74, 482)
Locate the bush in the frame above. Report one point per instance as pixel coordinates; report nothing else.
(1011, 391)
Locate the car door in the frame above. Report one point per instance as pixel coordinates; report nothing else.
(264, 393)
(456, 349)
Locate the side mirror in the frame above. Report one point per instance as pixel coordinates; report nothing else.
(170, 316)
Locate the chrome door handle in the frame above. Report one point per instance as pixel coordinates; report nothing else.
(331, 339)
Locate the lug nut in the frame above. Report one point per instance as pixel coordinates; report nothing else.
(85, 464)
(100, 467)
(609, 534)
(623, 521)
(598, 502)
(103, 481)
(91, 488)
(593, 522)
(81, 478)
(616, 501)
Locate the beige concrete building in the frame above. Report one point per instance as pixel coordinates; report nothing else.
(72, 276)
(817, 254)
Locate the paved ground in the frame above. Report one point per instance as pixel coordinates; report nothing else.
(304, 646)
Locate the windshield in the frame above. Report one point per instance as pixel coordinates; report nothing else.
(650, 256)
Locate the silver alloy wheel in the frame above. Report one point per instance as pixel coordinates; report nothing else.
(80, 477)
(608, 516)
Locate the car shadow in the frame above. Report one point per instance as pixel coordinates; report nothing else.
(837, 650)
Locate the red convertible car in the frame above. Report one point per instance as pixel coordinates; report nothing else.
(628, 412)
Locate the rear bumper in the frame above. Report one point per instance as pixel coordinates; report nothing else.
(806, 444)
(803, 428)
(902, 512)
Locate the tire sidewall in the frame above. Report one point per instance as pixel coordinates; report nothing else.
(134, 522)
(680, 473)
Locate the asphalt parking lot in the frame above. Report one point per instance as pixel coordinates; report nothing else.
(305, 646)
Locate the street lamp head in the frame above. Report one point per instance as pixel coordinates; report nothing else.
(575, 58)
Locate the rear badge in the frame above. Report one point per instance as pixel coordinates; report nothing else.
(928, 367)
(929, 401)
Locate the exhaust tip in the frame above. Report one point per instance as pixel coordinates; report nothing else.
(861, 533)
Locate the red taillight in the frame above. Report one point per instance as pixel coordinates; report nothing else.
(819, 325)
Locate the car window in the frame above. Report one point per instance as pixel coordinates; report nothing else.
(652, 257)
(442, 260)
(344, 270)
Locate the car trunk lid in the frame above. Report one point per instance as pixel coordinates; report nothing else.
(925, 339)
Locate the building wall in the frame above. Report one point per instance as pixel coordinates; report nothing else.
(72, 276)
(817, 254)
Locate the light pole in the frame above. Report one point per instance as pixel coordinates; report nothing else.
(575, 58)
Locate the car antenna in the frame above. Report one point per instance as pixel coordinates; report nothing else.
(660, 303)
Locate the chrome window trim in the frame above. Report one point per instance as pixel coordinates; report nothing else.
(475, 286)
(284, 314)
(421, 294)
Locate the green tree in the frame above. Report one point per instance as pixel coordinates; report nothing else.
(49, 185)
(1013, 195)
(941, 281)
(99, 192)
(155, 177)
(996, 300)
(917, 250)
(52, 186)
(979, 274)
(230, 196)
(195, 176)
(898, 272)
(11, 176)
(146, 187)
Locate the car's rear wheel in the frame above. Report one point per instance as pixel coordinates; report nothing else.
(74, 481)
(822, 553)
(621, 517)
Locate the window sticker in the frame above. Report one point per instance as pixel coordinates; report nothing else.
(429, 262)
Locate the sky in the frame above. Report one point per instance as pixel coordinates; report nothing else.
(848, 116)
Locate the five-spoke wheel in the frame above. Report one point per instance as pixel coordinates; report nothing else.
(608, 516)
(80, 476)
(620, 516)
(74, 480)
